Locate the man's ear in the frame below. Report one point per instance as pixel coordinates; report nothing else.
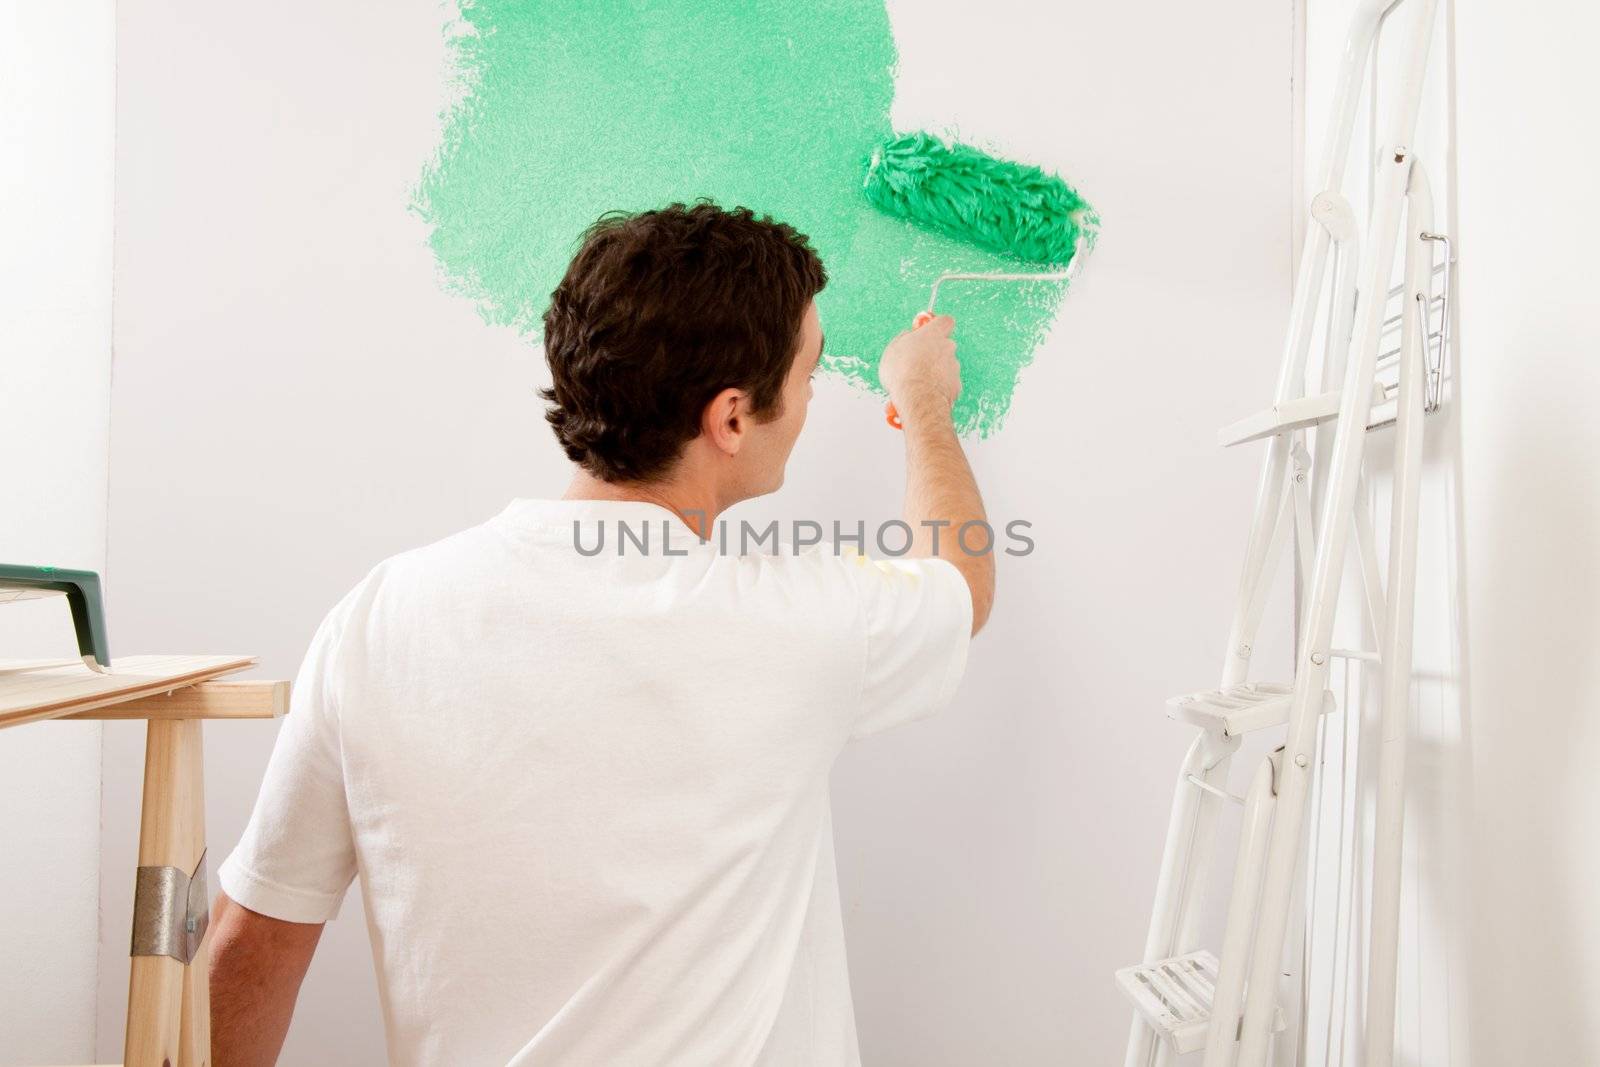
(725, 420)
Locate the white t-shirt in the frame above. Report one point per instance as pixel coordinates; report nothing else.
(587, 795)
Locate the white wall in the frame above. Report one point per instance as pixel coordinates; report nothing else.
(296, 398)
(1531, 453)
(57, 64)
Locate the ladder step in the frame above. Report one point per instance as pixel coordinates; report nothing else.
(1174, 997)
(1238, 709)
(1294, 414)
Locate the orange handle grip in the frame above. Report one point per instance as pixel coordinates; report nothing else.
(893, 416)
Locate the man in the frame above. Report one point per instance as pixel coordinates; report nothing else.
(586, 791)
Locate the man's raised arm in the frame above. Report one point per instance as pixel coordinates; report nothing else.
(920, 371)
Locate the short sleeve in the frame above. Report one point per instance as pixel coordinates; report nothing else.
(297, 856)
(917, 614)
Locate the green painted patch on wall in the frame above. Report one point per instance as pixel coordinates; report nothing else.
(571, 108)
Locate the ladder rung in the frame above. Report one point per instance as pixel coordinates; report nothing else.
(1238, 709)
(1294, 414)
(1174, 997)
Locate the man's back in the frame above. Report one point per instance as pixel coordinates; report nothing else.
(588, 794)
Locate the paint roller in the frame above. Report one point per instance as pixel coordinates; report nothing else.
(1014, 209)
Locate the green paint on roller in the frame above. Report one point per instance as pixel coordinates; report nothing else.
(569, 108)
(954, 189)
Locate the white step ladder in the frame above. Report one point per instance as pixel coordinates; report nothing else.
(1187, 999)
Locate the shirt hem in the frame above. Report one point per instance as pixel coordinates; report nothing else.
(276, 901)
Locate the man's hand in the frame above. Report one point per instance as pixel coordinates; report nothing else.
(919, 368)
(257, 963)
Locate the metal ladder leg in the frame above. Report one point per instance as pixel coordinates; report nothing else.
(1389, 819)
(1312, 670)
(1222, 1038)
(1188, 841)
(1192, 826)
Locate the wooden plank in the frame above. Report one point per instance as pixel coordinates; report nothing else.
(48, 689)
(207, 700)
(171, 834)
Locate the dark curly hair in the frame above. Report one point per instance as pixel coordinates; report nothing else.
(659, 312)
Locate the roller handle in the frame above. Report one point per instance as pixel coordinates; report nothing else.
(893, 416)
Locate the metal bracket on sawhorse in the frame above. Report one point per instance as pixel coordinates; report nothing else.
(170, 912)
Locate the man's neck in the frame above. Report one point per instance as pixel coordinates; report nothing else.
(696, 507)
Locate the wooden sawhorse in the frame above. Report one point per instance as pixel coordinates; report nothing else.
(169, 1017)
